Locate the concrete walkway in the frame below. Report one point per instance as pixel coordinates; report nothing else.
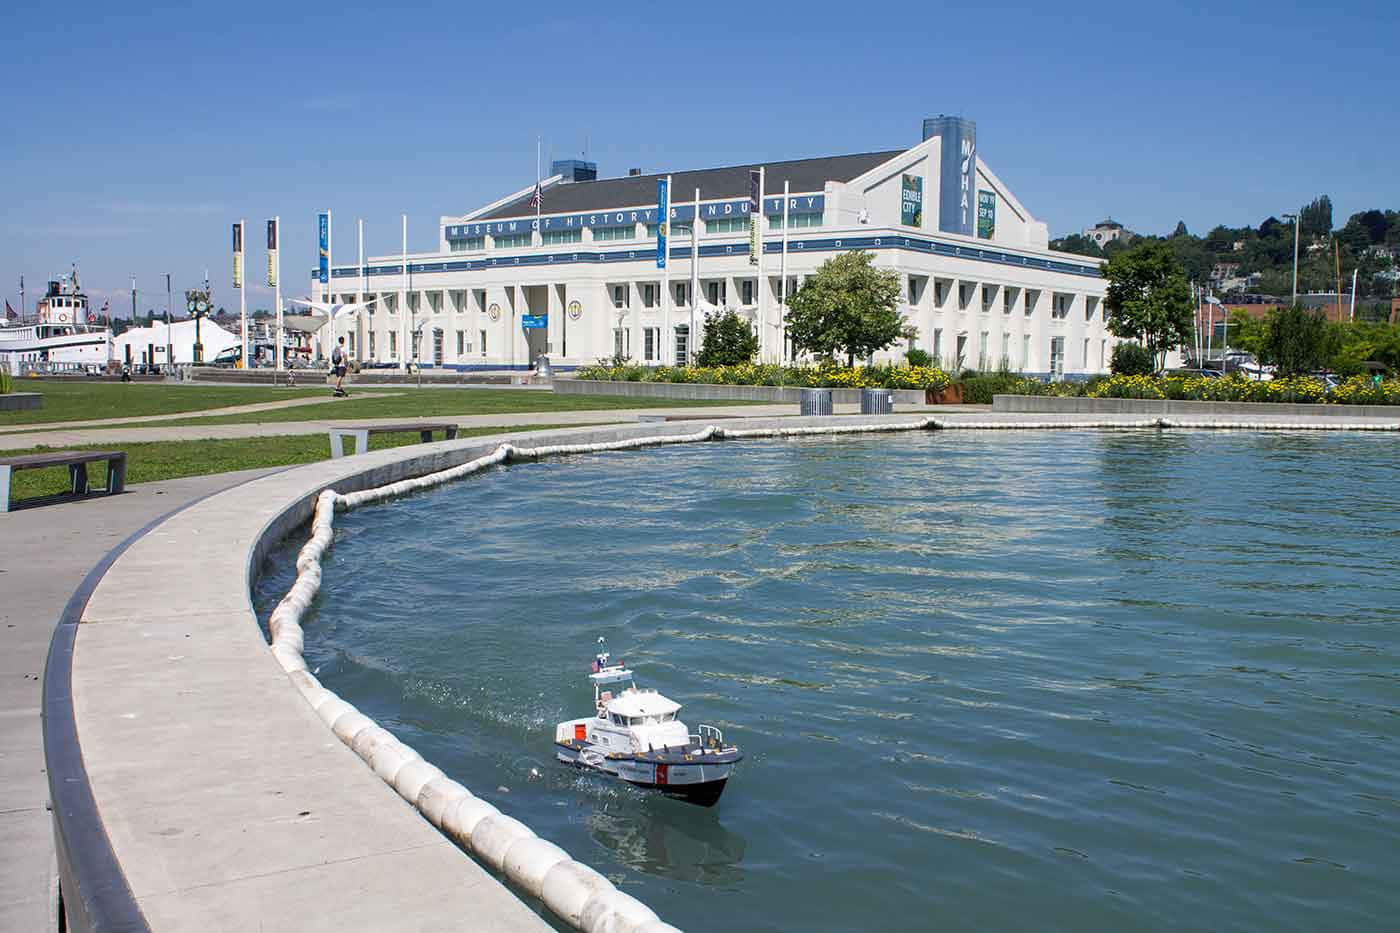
(176, 416)
(44, 555)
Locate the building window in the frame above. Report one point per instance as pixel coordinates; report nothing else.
(619, 296)
(989, 293)
(805, 219)
(746, 288)
(393, 345)
(1026, 352)
(677, 230)
(680, 294)
(913, 290)
(622, 340)
(512, 240)
(371, 345)
(462, 347)
(483, 342)
(717, 291)
(628, 232)
(1103, 353)
(982, 350)
(937, 345)
(648, 295)
(1059, 309)
(350, 343)
(556, 237)
(1007, 300)
(1032, 299)
(1005, 361)
(1057, 357)
(649, 341)
(727, 225)
(471, 244)
(437, 347)
(682, 332)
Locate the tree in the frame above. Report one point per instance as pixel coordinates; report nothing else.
(1077, 243)
(1148, 299)
(728, 340)
(1181, 229)
(1132, 359)
(1315, 220)
(1297, 340)
(847, 306)
(1248, 333)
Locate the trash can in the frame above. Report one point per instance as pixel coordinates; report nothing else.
(876, 401)
(816, 401)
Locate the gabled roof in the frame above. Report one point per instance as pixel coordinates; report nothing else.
(803, 175)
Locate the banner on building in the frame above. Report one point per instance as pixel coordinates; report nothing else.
(911, 201)
(324, 269)
(663, 215)
(986, 214)
(271, 254)
(238, 255)
(755, 215)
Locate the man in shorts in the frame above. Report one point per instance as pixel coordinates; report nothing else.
(338, 367)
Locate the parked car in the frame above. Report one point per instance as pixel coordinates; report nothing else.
(228, 358)
(1194, 373)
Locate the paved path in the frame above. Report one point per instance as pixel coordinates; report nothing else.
(175, 416)
(44, 555)
(67, 437)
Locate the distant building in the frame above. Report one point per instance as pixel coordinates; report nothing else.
(1106, 231)
(1223, 270)
(146, 346)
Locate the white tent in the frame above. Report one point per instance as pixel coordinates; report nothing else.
(146, 345)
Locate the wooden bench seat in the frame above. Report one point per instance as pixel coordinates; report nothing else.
(75, 460)
(361, 433)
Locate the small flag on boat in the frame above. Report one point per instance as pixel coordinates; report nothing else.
(537, 199)
(597, 668)
(10, 312)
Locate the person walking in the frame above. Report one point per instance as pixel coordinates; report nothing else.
(338, 367)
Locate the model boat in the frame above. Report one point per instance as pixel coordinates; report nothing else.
(635, 736)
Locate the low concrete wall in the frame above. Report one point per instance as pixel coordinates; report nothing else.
(1044, 404)
(21, 401)
(791, 395)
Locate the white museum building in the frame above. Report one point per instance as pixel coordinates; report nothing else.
(576, 273)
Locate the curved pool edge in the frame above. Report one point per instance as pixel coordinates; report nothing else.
(186, 719)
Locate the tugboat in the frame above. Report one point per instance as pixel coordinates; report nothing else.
(60, 338)
(636, 737)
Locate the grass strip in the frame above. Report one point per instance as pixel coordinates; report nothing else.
(158, 460)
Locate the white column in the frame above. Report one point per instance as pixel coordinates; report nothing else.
(761, 282)
(403, 297)
(242, 293)
(277, 293)
(666, 352)
(782, 285)
(330, 275)
(690, 344)
(364, 284)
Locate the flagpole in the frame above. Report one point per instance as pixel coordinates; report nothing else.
(782, 272)
(243, 291)
(764, 341)
(666, 351)
(169, 345)
(277, 292)
(330, 276)
(359, 339)
(694, 279)
(403, 296)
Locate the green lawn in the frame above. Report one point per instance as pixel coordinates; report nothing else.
(149, 462)
(425, 403)
(85, 401)
(93, 400)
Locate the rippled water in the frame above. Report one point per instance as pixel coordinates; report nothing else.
(984, 681)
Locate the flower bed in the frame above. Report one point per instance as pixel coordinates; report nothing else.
(1357, 390)
(751, 374)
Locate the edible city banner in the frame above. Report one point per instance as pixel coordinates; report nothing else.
(911, 201)
(986, 214)
(324, 221)
(663, 211)
(271, 253)
(238, 255)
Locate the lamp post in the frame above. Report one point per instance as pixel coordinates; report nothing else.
(1296, 223)
(1213, 303)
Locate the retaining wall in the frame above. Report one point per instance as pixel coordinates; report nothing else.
(1044, 404)
(21, 401)
(791, 395)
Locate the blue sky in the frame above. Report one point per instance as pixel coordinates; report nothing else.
(137, 136)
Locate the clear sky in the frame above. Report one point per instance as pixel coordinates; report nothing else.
(138, 133)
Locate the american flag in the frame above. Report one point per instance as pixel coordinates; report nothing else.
(537, 199)
(10, 312)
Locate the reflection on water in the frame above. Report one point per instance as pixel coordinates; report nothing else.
(1105, 681)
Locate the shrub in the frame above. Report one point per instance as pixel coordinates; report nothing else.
(918, 358)
(728, 340)
(1132, 359)
(6, 384)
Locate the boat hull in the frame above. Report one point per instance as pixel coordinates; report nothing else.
(699, 779)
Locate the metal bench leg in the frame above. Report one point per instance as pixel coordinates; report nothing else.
(77, 473)
(4, 489)
(337, 447)
(425, 436)
(116, 476)
(451, 432)
(361, 442)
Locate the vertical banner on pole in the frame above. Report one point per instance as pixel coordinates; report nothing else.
(271, 253)
(238, 255)
(324, 269)
(663, 216)
(755, 214)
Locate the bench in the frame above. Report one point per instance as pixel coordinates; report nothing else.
(75, 460)
(361, 433)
